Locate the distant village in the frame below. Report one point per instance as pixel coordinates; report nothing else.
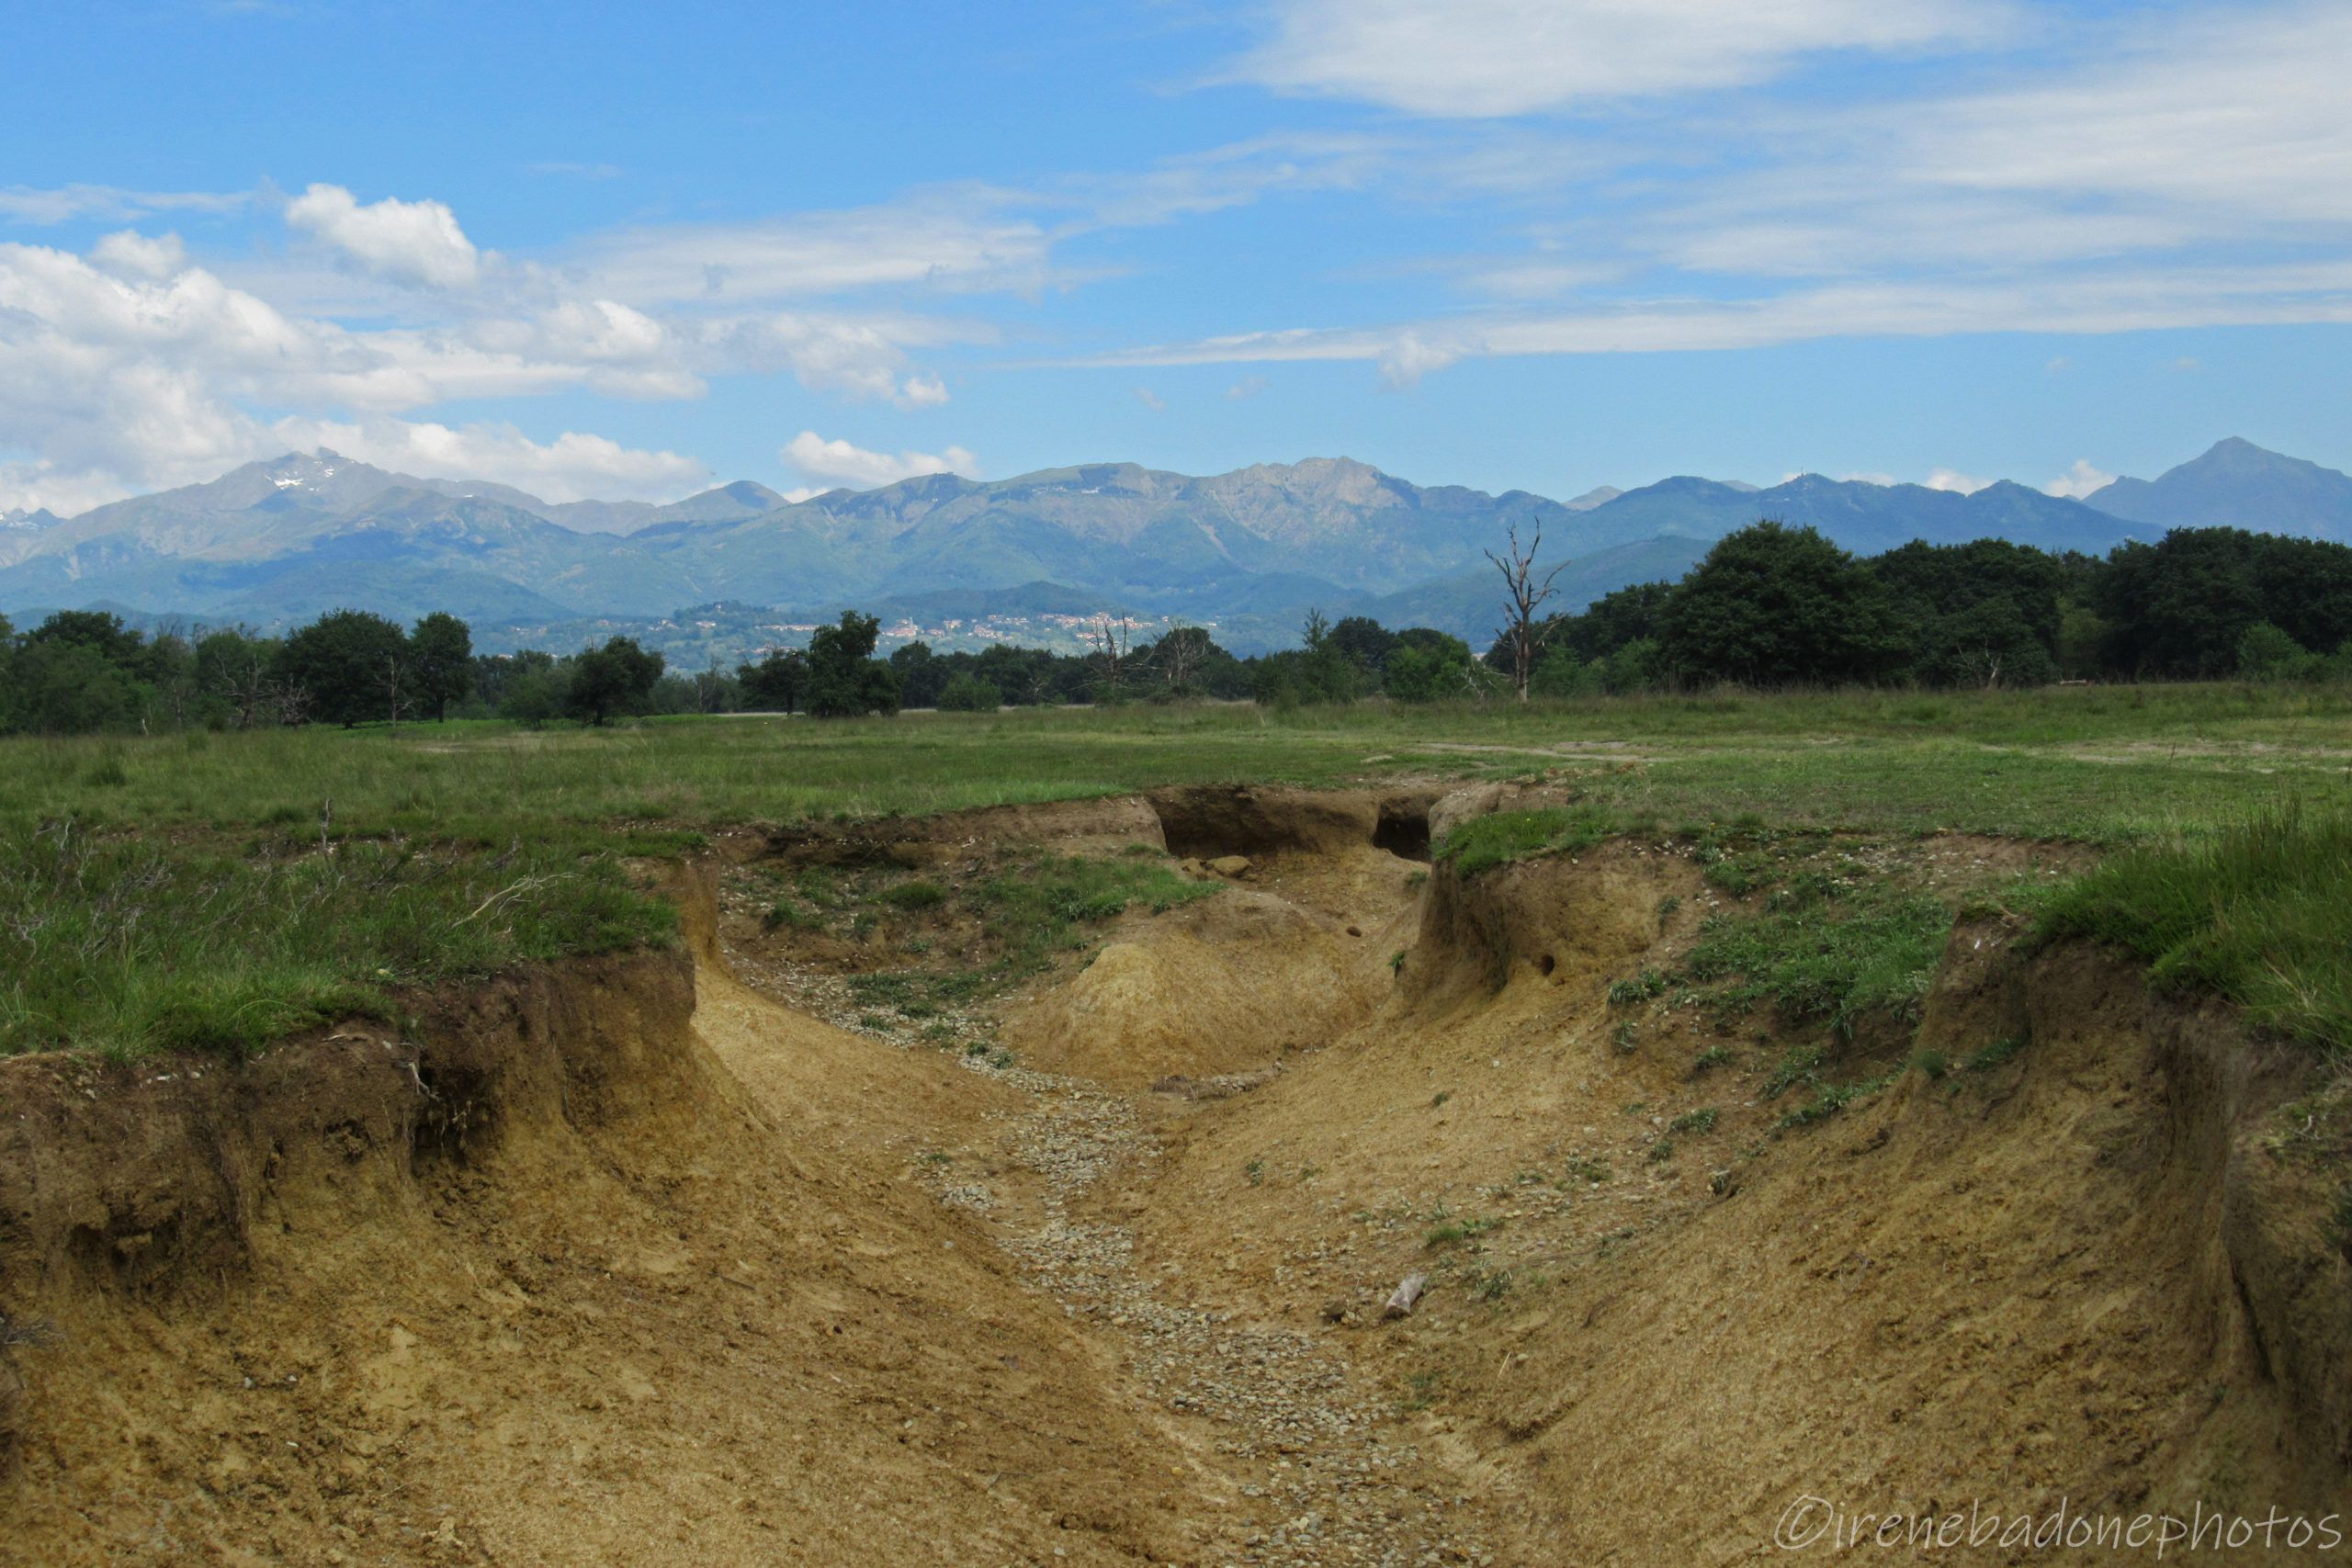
(728, 634)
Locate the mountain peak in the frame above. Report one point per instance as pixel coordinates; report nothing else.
(2236, 484)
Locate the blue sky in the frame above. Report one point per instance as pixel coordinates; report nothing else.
(1549, 244)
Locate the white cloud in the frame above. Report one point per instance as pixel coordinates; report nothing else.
(65, 204)
(2078, 481)
(1151, 400)
(1248, 387)
(115, 381)
(860, 356)
(1478, 58)
(1882, 480)
(1407, 356)
(2093, 303)
(2234, 108)
(134, 254)
(1955, 480)
(572, 466)
(416, 242)
(1236, 174)
(2161, 166)
(855, 468)
(920, 393)
(946, 242)
(30, 486)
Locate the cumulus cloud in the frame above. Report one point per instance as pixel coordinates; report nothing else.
(1408, 356)
(2079, 482)
(860, 356)
(413, 242)
(837, 463)
(920, 393)
(134, 254)
(572, 466)
(129, 369)
(1955, 480)
(1480, 58)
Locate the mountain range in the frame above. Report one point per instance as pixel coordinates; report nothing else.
(1248, 552)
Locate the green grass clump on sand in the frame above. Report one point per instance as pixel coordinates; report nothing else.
(1485, 842)
(1034, 910)
(2260, 911)
(128, 947)
(1832, 959)
(1027, 913)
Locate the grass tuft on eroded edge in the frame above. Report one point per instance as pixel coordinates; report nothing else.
(128, 945)
(2259, 911)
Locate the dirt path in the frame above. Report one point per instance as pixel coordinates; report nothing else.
(1301, 1459)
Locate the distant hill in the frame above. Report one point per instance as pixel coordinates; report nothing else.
(1866, 518)
(1247, 552)
(2237, 484)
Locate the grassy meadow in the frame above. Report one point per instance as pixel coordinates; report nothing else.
(219, 890)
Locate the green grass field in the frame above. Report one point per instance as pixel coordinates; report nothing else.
(180, 891)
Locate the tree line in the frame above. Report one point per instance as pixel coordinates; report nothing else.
(1769, 606)
(83, 671)
(1774, 606)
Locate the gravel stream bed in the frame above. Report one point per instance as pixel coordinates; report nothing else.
(1320, 1473)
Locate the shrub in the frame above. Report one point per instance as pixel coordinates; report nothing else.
(2266, 653)
(969, 693)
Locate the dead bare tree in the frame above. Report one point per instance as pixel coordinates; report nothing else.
(290, 702)
(710, 688)
(1182, 651)
(1525, 595)
(245, 687)
(1113, 645)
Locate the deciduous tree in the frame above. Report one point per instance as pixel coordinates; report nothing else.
(441, 651)
(617, 678)
(348, 666)
(1779, 606)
